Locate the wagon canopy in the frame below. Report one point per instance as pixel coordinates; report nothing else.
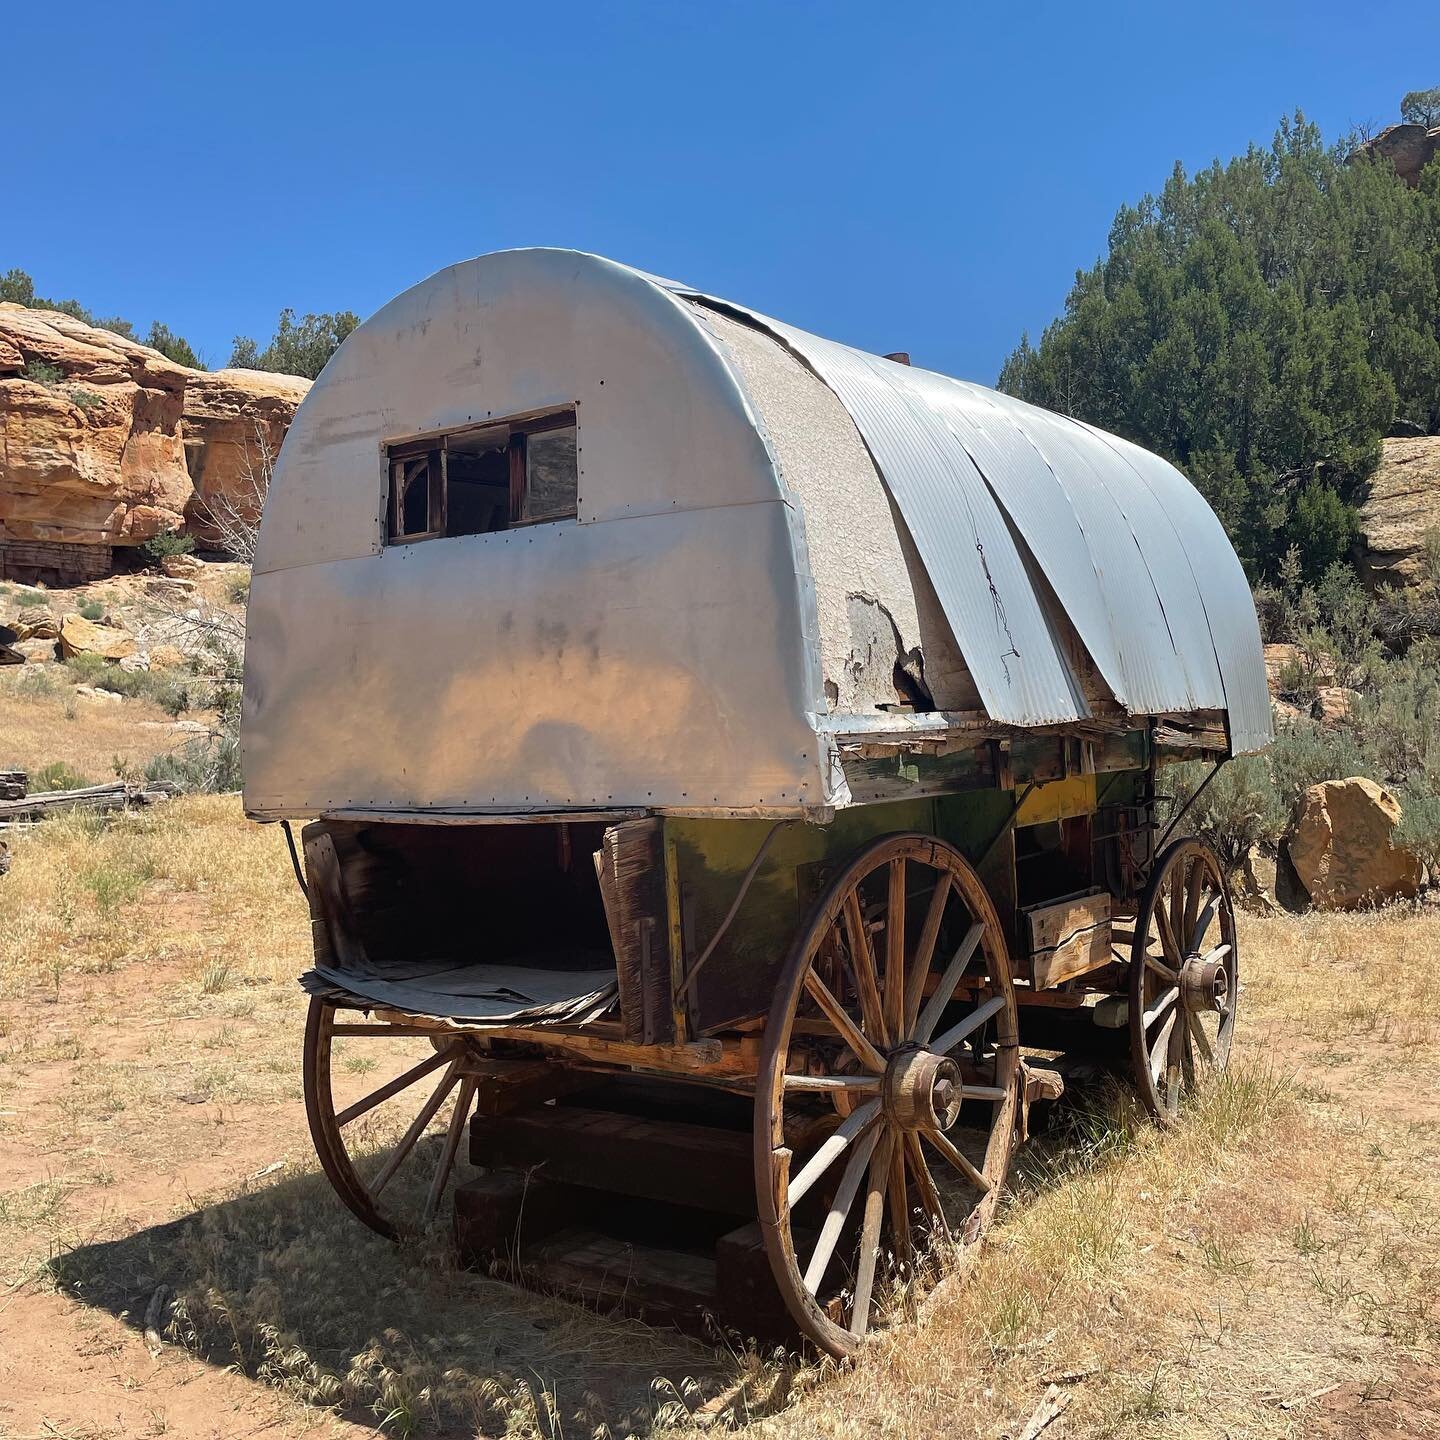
(768, 539)
(1008, 504)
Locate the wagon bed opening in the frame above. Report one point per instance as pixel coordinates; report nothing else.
(493, 923)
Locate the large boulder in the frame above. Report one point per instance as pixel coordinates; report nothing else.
(1404, 505)
(1343, 849)
(234, 422)
(79, 636)
(1408, 148)
(90, 432)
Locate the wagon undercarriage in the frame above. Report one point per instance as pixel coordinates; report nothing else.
(663, 1118)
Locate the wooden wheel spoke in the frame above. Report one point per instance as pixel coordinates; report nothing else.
(416, 1130)
(839, 1210)
(452, 1144)
(947, 1148)
(862, 962)
(832, 1146)
(1218, 953)
(1158, 1006)
(399, 1083)
(1171, 977)
(848, 1030)
(864, 1083)
(945, 1043)
(894, 998)
(925, 951)
(1203, 921)
(1162, 1049)
(870, 1235)
(1167, 937)
(949, 981)
(925, 1184)
(1194, 892)
(1179, 892)
(900, 1223)
(1202, 1041)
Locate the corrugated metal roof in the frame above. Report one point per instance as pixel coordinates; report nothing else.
(990, 486)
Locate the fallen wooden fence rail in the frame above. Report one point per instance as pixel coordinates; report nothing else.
(118, 795)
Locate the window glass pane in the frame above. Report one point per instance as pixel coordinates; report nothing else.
(551, 474)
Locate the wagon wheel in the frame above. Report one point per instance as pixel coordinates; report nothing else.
(896, 1005)
(391, 1151)
(1183, 977)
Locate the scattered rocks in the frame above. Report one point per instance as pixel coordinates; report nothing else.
(91, 692)
(172, 590)
(35, 622)
(36, 652)
(79, 636)
(167, 657)
(182, 567)
(135, 663)
(1256, 881)
(1342, 846)
(1284, 715)
(1333, 704)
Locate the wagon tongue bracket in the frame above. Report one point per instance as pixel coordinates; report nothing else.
(922, 1090)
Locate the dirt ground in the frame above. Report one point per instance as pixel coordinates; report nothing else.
(1268, 1269)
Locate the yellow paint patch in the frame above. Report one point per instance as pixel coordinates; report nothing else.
(1058, 800)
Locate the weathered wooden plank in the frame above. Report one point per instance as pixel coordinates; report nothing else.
(1067, 937)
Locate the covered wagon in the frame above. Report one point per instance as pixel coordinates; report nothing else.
(723, 753)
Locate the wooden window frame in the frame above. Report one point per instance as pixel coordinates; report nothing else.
(512, 435)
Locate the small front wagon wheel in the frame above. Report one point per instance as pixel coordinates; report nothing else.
(896, 1012)
(391, 1151)
(1184, 978)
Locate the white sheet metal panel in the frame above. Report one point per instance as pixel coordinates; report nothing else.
(658, 651)
(1220, 579)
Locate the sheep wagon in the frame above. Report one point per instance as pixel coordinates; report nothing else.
(728, 757)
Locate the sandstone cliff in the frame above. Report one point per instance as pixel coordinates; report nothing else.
(1402, 509)
(104, 441)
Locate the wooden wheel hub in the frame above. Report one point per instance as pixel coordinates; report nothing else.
(922, 1090)
(1205, 983)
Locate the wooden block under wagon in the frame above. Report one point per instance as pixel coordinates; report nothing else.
(1067, 937)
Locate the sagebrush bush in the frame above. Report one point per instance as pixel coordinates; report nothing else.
(172, 542)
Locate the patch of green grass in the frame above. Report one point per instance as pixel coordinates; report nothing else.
(91, 610)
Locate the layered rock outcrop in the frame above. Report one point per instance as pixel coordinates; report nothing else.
(90, 441)
(1409, 148)
(104, 441)
(1403, 508)
(234, 421)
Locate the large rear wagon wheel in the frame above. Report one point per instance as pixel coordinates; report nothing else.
(1184, 978)
(391, 1151)
(896, 1011)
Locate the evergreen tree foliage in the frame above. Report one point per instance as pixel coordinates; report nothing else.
(298, 347)
(1263, 324)
(1422, 107)
(172, 346)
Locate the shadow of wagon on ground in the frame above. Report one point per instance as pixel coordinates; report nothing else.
(284, 1286)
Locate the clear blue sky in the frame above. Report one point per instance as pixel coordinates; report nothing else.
(900, 176)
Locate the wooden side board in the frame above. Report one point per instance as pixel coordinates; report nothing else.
(1067, 937)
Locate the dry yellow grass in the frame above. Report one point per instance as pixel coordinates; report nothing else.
(1221, 1279)
(43, 720)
